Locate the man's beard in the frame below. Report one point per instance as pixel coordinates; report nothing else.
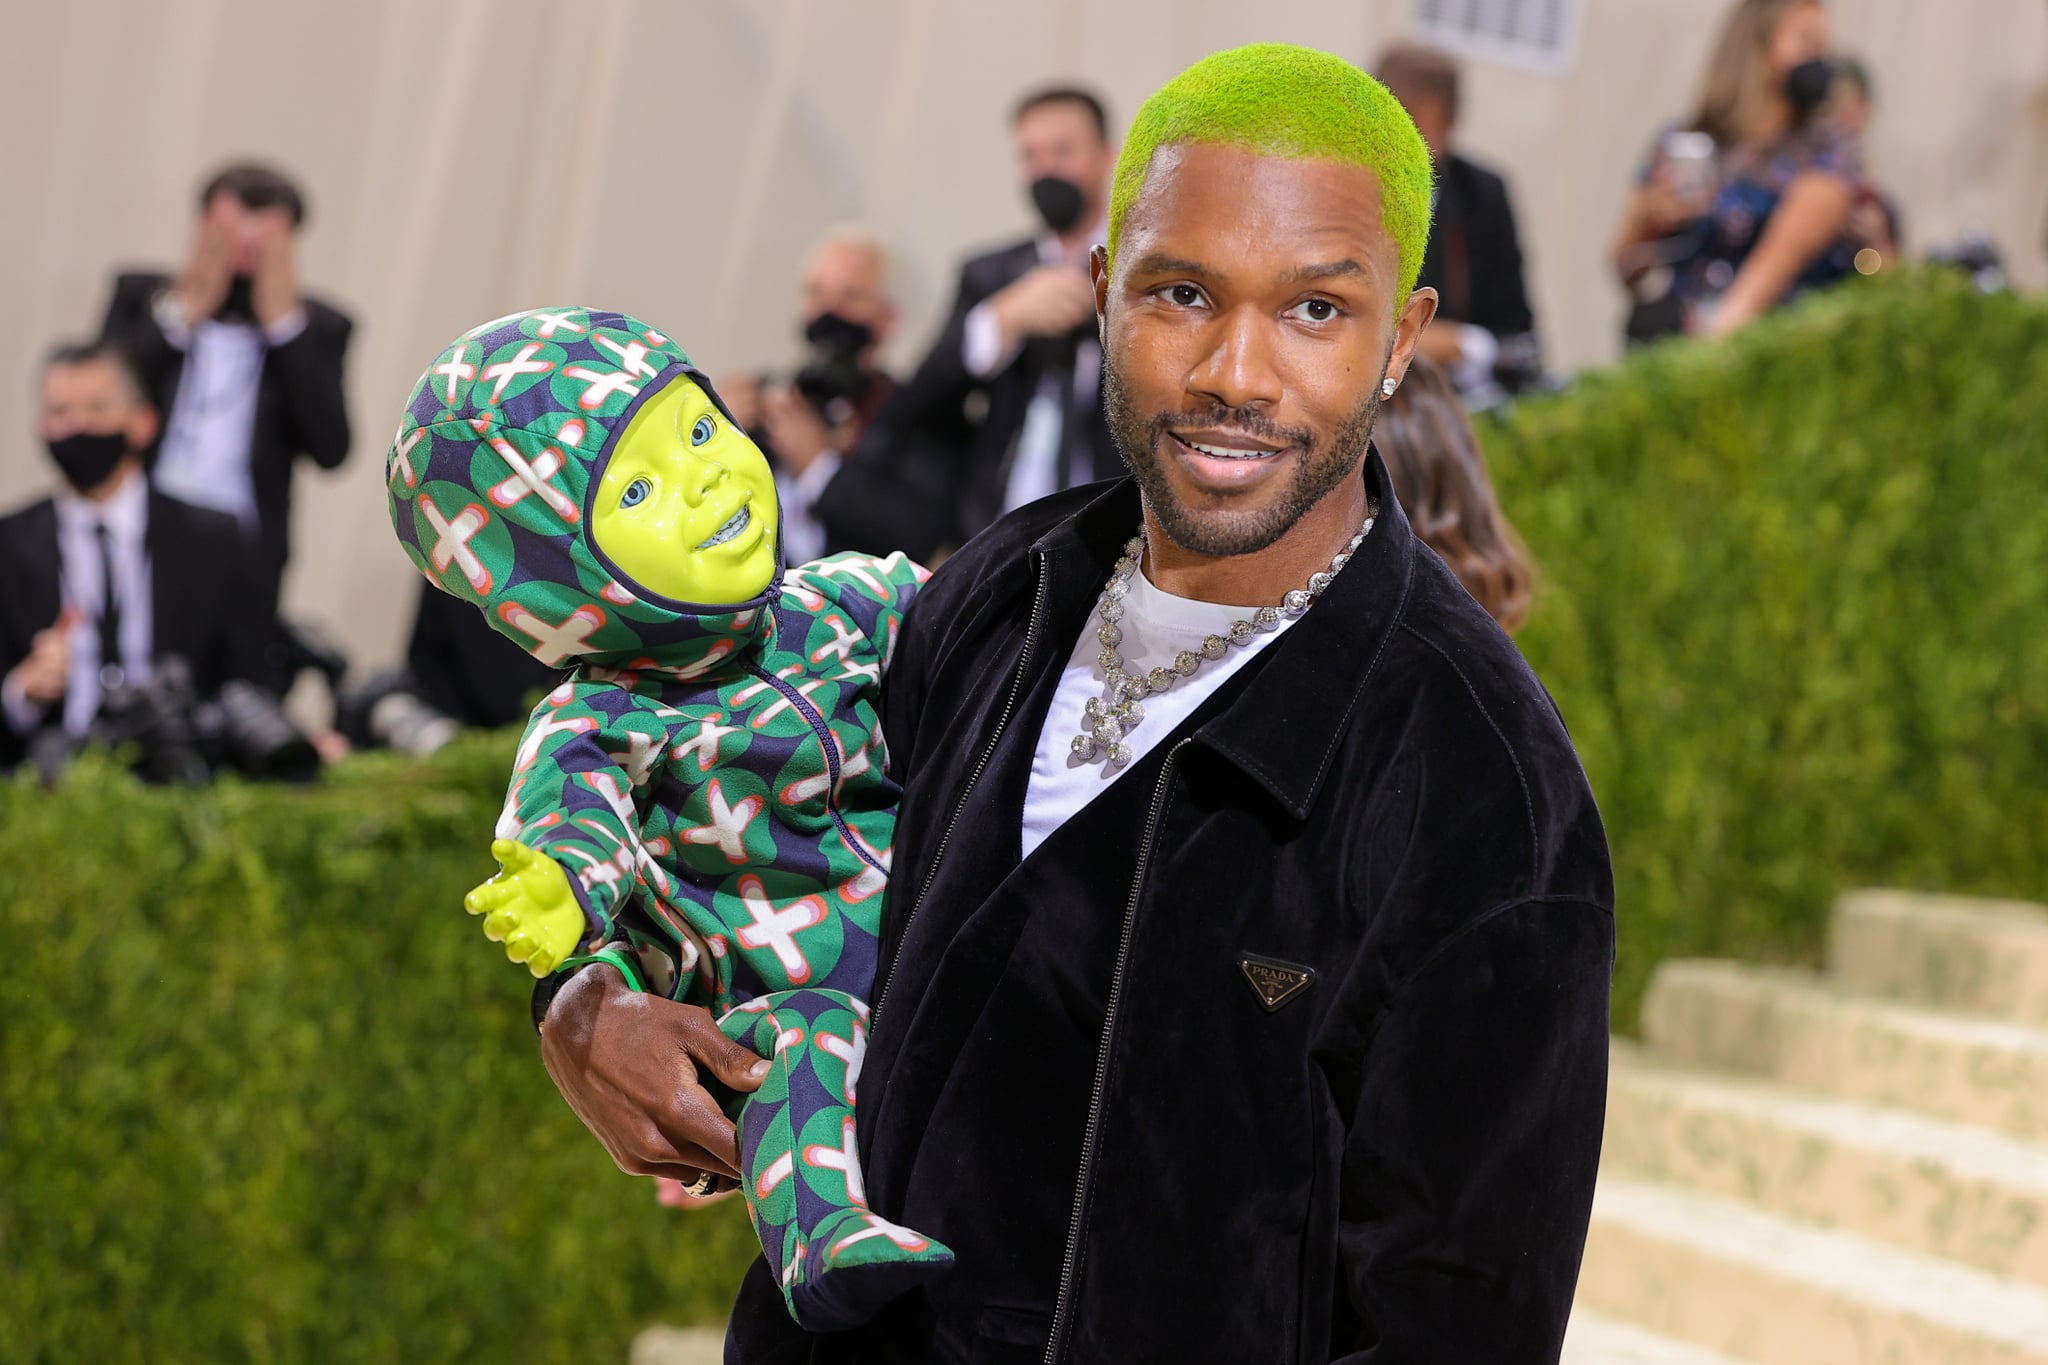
(1318, 469)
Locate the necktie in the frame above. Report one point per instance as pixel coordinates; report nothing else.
(111, 672)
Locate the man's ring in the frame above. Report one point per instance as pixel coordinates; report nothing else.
(701, 1186)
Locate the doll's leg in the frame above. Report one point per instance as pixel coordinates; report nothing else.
(837, 1262)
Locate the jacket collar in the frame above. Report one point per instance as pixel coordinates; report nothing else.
(1284, 727)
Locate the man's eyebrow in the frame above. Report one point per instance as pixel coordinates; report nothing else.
(1159, 263)
(1322, 271)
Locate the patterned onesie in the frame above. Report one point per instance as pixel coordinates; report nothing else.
(712, 779)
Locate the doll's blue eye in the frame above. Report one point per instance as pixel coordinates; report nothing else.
(636, 492)
(701, 433)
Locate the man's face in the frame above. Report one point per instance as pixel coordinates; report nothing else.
(1059, 138)
(844, 279)
(248, 231)
(1246, 331)
(96, 399)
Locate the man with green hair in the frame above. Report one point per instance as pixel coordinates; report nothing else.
(1245, 980)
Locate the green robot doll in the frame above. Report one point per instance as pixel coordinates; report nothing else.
(704, 801)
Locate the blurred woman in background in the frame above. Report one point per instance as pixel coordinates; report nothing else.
(1440, 476)
(1747, 205)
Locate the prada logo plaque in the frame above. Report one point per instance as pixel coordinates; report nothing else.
(1273, 981)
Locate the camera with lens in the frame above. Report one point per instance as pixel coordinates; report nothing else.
(1976, 256)
(390, 712)
(178, 740)
(832, 378)
(155, 719)
(246, 729)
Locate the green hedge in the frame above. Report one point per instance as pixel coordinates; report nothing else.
(1796, 612)
(266, 1095)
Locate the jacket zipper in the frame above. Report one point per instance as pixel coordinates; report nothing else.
(1009, 705)
(817, 723)
(1116, 987)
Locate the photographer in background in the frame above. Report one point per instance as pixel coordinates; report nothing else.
(1006, 407)
(1874, 222)
(247, 368)
(122, 608)
(806, 423)
(1748, 205)
(1484, 335)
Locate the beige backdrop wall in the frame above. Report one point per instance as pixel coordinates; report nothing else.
(467, 157)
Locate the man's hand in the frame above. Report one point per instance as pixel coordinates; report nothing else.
(795, 431)
(1045, 301)
(43, 675)
(274, 289)
(203, 284)
(529, 907)
(1665, 207)
(628, 1064)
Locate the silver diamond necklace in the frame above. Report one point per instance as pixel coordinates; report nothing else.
(1121, 706)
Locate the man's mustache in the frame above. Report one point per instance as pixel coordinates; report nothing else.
(1250, 421)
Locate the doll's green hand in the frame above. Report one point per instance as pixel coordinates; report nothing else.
(529, 908)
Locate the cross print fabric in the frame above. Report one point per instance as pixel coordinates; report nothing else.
(490, 473)
(711, 778)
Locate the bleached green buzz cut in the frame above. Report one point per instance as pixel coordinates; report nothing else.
(1294, 102)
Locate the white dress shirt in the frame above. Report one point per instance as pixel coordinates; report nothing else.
(126, 517)
(205, 454)
(803, 535)
(1156, 625)
(1035, 470)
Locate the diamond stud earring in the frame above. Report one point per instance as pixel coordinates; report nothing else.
(1388, 385)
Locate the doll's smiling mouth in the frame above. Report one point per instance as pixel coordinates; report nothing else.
(738, 522)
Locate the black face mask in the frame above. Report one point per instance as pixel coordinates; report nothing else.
(837, 335)
(1059, 201)
(1806, 86)
(239, 303)
(87, 458)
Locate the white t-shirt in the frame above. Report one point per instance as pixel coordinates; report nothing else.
(1156, 626)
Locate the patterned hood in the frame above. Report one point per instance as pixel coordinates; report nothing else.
(492, 473)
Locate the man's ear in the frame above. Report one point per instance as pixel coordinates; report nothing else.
(1098, 275)
(142, 427)
(1415, 315)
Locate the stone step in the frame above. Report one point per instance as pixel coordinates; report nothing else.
(1594, 1340)
(1792, 1028)
(679, 1346)
(1923, 1185)
(1980, 957)
(1768, 1291)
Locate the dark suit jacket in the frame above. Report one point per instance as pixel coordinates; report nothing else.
(299, 406)
(933, 466)
(1474, 260)
(466, 669)
(207, 605)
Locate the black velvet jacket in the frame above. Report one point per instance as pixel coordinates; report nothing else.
(1381, 822)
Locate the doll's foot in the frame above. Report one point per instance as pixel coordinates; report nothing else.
(853, 1263)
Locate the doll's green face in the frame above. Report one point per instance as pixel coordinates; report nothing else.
(686, 507)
